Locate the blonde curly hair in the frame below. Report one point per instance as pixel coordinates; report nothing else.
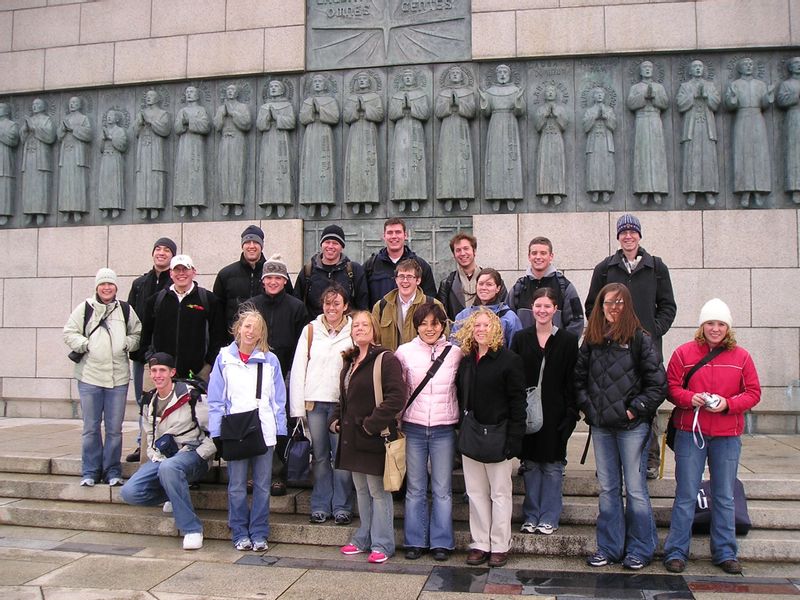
(465, 335)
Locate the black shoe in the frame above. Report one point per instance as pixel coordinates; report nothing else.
(278, 488)
(732, 567)
(440, 554)
(133, 456)
(675, 565)
(343, 519)
(413, 553)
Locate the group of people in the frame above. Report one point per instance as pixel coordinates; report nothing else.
(367, 352)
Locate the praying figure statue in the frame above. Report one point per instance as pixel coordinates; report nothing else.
(192, 124)
(111, 183)
(789, 99)
(318, 114)
(38, 133)
(599, 123)
(275, 120)
(455, 106)
(151, 127)
(363, 109)
(503, 103)
(9, 139)
(748, 97)
(409, 108)
(648, 99)
(698, 100)
(75, 133)
(550, 120)
(232, 120)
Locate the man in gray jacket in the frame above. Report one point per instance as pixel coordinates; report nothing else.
(178, 448)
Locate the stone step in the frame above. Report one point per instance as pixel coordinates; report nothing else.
(578, 510)
(570, 540)
(758, 486)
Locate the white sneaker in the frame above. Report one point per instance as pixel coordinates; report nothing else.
(260, 546)
(87, 482)
(115, 481)
(167, 508)
(528, 527)
(193, 541)
(545, 528)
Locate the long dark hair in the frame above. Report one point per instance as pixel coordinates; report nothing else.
(623, 330)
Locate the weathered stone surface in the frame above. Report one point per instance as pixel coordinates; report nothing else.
(559, 31)
(114, 20)
(695, 287)
(729, 236)
(766, 282)
(732, 23)
(487, 39)
(90, 65)
(176, 17)
(228, 53)
(21, 244)
(26, 305)
(769, 348)
(571, 251)
(22, 71)
(284, 49)
(246, 14)
(46, 27)
(23, 341)
(130, 247)
(502, 230)
(667, 26)
(5, 31)
(500, 5)
(73, 251)
(130, 68)
(24, 387)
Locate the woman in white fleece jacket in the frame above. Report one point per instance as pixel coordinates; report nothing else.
(314, 393)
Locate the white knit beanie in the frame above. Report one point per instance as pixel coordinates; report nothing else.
(715, 310)
(105, 275)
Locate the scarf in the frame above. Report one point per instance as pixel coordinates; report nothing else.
(469, 286)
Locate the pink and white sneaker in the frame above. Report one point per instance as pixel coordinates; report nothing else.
(351, 549)
(377, 557)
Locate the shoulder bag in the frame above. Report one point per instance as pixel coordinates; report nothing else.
(534, 418)
(241, 432)
(483, 443)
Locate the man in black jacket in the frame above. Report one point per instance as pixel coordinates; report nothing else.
(380, 266)
(285, 316)
(647, 278)
(240, 280)
(184, 321)
(155, 280)
(328, 265)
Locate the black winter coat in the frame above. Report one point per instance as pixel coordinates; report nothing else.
(549, 444)
(379, 269)
(285, 316)
(309, 289)
(188, 331)
(234, 284)
(494, 388)
(650, 287)
(141, 289)
(360, 451)
(611, 379)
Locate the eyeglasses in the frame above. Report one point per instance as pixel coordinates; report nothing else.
(405, 277)
(617, 302)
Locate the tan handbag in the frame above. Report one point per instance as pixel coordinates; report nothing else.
(394, 469)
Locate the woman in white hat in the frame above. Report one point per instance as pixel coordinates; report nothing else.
(101, 331)
(712, 382)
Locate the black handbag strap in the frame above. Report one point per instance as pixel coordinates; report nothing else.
(428, 376)
(259, 377)
(705, 360)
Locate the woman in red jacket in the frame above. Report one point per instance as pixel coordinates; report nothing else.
(709, 420)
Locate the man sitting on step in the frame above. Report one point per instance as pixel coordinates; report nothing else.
(178, 448)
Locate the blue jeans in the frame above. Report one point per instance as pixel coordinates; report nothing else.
(628, 530)
(246, 522)
(375, 514)
(157, 482)
(101, 461)
(722, 454)
(422, 530)
(137, 375)
(333, 488)
(543, 492)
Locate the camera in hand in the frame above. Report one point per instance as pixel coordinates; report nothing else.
(711, 400)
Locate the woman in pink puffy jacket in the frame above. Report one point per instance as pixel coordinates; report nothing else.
(429, 423)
